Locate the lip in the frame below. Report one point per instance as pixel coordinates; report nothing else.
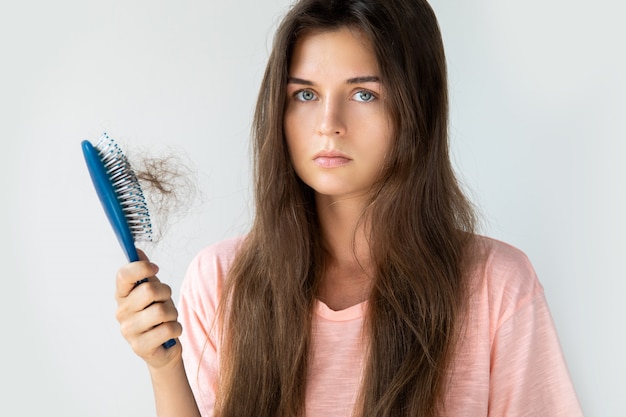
(331, 159)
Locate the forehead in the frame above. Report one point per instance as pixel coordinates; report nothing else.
(348, 49)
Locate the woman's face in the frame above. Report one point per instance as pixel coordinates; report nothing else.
(336, 124)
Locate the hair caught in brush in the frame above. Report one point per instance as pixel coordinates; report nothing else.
(169, 185)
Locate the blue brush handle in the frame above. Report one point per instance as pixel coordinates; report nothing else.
(112, 208)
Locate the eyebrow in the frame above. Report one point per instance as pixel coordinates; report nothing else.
(365, 79)
(355, 80)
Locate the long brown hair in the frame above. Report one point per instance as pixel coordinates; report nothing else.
(421, 226)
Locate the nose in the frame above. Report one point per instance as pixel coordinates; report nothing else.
(332, 119)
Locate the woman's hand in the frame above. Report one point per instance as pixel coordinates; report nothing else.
(147, 314)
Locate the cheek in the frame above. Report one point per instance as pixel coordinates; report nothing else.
(376, 136)
(290, 127)
(300, 118)
(297, 131)
(294, 146)
(290, 135)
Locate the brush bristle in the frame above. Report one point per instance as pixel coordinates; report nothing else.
(126, 187)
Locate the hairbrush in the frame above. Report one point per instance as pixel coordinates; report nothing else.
(121, 196)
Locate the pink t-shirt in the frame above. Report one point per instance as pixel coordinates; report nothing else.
(508, 362)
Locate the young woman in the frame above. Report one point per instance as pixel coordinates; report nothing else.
(362, 288)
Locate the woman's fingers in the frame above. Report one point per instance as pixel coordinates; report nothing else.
(149, 343)
(146, 312)
(137, 323)
(144, 295)
(130, 274)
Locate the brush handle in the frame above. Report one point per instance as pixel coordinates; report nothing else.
(112, 208)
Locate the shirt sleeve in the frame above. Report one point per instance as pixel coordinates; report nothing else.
(197, 307)
(528, 375)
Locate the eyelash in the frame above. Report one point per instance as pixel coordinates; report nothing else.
(361, 92)
(298, 95)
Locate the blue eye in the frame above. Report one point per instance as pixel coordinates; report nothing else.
(364, 96)
(305, 95)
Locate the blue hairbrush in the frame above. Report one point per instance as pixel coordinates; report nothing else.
(121, 197)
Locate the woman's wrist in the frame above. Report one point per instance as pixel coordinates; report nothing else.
(172, 367)
(172, 392)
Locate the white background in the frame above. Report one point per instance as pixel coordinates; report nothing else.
(538, 125)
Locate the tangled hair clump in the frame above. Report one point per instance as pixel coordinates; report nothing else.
(169, 186)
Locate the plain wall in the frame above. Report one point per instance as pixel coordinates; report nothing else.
(538, 106)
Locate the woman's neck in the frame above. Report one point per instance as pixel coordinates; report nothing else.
(348, 276)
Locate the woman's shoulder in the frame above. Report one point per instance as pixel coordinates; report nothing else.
(497, 254)
(504, 274)
(207, 270)
(221, 252)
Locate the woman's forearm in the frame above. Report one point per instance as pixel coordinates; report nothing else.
(172, 393)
